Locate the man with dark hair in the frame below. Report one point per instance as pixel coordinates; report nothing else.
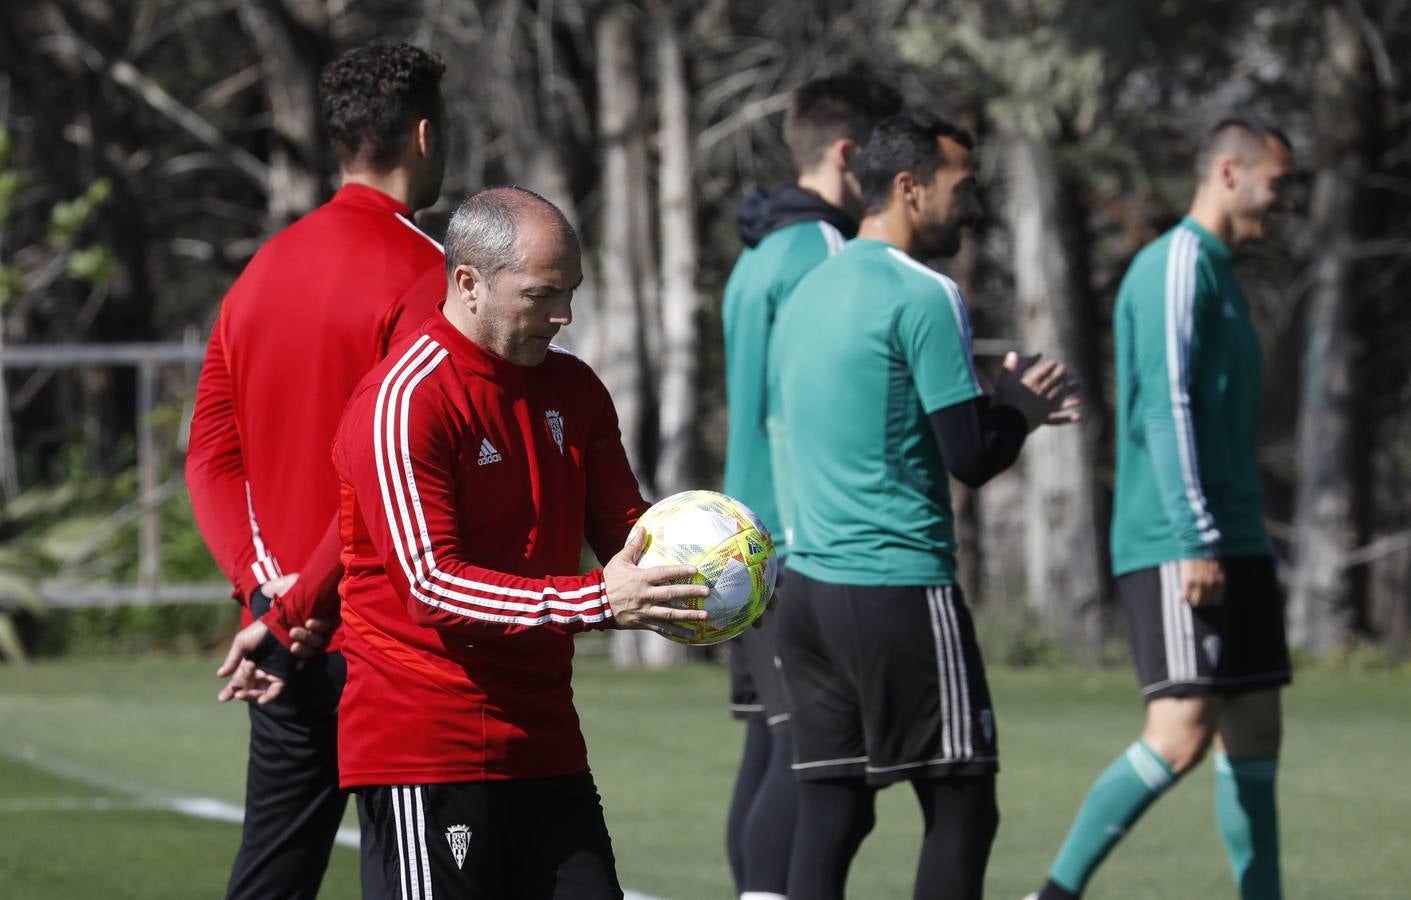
(785, 234)
(473, 465)
(1193, 562)
(313, 311)
(872, 379)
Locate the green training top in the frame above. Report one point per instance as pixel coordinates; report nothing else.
(763, 276)
(865, 348)
(1188, 397)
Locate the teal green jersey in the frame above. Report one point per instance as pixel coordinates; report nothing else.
(864, 349)
(763, 276)
(1188, 401)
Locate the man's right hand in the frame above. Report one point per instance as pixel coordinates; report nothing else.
(1042, 390)
(310, 640)
(1202, 582)
(636, 594)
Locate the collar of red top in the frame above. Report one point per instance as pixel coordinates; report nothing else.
(475, 358)
(362, 195)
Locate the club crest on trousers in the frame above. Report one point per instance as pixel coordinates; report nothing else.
(458, 836)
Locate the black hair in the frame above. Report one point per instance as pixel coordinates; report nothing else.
(829, 109)
(372, 95)
(1242, 137)
(906, 142)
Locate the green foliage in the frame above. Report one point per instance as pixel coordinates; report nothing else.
(69, 217)
(137, 629)
(11, 183)
(93, 264)
(87, 529)
(1036, 82)
(11, 284)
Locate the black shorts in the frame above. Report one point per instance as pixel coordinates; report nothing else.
(527, 839)
(887, 683)
(757, 689)
(1182, 651)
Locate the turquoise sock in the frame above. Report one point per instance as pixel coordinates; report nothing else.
(1119, 796)
(1248, 813)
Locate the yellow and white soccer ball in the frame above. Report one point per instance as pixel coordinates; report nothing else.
(731, 550)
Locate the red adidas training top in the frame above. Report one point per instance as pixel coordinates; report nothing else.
(314, 310)
(468, 487)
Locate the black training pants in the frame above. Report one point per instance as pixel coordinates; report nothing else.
(293, 804)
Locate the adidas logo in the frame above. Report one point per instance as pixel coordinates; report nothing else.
(488, 453)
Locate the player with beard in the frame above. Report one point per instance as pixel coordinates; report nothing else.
(315, 309)
(786, 234)
(872, 382)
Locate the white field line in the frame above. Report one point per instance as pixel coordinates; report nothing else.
(140, 797)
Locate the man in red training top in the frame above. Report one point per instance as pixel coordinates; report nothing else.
(315, 309)
(474, 463)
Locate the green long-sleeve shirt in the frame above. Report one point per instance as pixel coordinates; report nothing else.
(1188, 401)
(761, 279)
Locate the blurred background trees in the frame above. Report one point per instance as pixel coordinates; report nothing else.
(147, 147)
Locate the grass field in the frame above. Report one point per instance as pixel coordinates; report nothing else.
(97, 758)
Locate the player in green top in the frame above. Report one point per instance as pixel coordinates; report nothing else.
(873, 383)
(786, 234)
(1192, 559)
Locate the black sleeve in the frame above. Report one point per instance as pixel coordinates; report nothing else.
(977, 440)
(270, 655)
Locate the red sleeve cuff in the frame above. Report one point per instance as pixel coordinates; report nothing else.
(274, 621)
(607, 620)
(246, 587)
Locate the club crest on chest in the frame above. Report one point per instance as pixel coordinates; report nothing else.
(554, 420)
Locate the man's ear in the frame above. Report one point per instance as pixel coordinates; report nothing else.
(423, 139)
(904, 188)
(841, 153)
(1225, 168)
(468, 285)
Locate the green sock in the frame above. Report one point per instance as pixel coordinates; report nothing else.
(1119, 796)
(1248, 814)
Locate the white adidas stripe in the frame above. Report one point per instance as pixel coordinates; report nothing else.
(412, 541)
(428, 238)
(1181, 281)
(947, 743)
(952, 673)
(961, 669)
(422, 853)
(265, 567)
(957, 308)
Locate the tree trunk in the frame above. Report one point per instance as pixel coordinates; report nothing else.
(1325, 515)
(627, 315)
(680, 301)
(545, 174)
(619, 358)
(1063, 552)
(291, 44)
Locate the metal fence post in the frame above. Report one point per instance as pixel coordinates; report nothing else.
(149, 559)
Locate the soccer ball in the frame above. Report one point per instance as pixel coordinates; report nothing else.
(730, 548)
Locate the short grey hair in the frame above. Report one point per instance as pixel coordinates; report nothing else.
(484, 230)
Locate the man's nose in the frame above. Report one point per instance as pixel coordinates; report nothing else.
(562, 314)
